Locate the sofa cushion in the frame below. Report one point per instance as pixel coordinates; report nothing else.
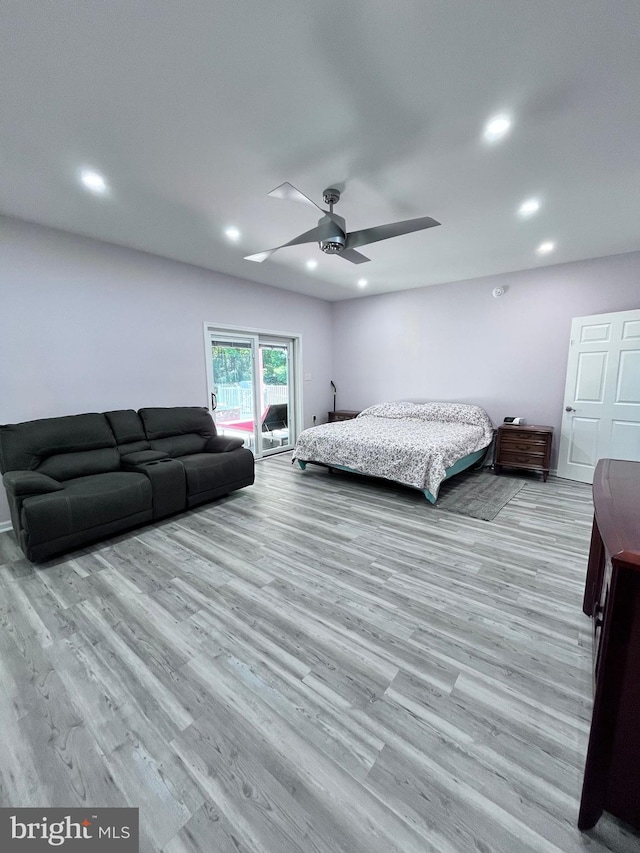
(208, 471)
(85, 502)
(179, 445)
(84, 463)
(178, 431)
(128, 430)
(26, 446)
(179, 420)
(223, 444)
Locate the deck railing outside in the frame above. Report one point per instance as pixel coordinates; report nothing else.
(236, 403)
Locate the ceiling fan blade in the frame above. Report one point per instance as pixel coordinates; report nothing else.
(353, 256)
(384, 232)
(323, 231)
(288, 192)
(259, 257)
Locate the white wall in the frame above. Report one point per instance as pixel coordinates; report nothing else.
(86, 326)
(456, 342)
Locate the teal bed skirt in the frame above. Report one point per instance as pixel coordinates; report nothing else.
(456, 468)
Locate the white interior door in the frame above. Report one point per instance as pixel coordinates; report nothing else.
(601, 417)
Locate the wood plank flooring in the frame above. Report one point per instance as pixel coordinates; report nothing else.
(316, 664)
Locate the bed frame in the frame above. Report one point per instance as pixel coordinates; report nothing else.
(461, 465)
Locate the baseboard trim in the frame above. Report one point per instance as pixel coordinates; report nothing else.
(5, 526)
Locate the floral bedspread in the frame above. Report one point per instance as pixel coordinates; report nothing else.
(410, 443)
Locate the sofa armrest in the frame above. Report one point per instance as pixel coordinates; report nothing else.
(222, 444)
(22, 483)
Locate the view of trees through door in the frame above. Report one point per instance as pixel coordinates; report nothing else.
(251, 390)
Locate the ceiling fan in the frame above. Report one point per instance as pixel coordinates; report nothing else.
(331, 233)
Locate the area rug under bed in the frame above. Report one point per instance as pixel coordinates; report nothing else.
(478, 494)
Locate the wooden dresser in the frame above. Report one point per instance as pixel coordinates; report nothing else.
(612, 597)
(524, 447)
(341, 415)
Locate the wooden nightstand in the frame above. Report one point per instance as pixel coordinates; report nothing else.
(341, 415)
(524, 447)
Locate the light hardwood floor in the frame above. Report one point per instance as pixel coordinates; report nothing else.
(315, 664)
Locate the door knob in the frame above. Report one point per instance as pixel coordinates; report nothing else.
(569, 409)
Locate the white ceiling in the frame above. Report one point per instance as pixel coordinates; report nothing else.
(194, 110)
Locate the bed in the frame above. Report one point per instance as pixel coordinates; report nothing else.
(415, 444)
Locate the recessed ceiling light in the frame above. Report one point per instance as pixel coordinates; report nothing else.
(497, 127)
(93, 181)
(546, 247)
(362, 282)
(311, 264)
(232, 233)
(529, 207)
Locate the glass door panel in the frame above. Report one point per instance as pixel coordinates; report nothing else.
(252, 381)
(274, 368)
(233, 398)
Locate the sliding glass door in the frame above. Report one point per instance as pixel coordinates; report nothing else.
(273, 373)
(232, 397)
(253, 389)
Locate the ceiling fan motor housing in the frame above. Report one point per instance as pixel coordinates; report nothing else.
(334, 245)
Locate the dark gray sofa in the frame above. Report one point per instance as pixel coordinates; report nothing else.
(76, 479)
